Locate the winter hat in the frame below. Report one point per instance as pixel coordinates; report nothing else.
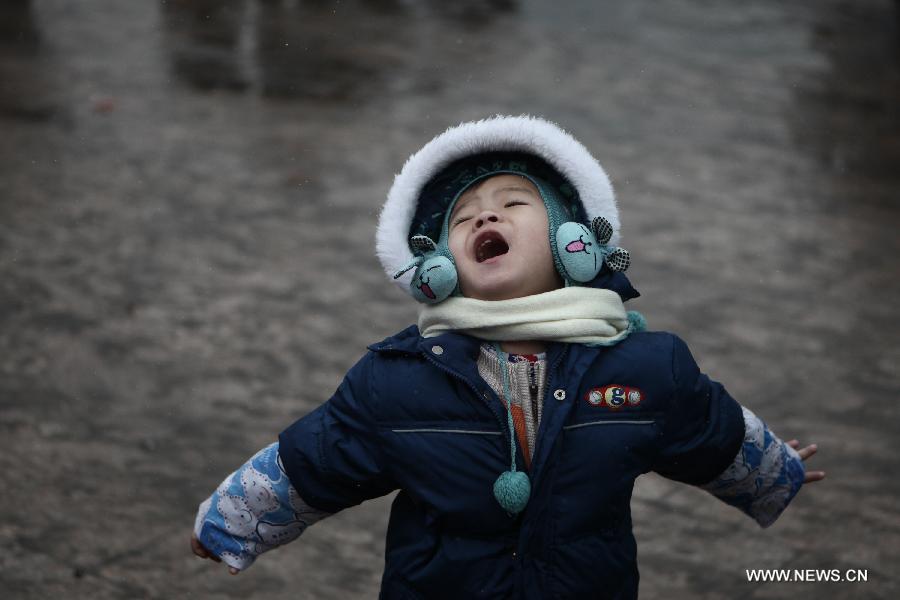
(412, 233)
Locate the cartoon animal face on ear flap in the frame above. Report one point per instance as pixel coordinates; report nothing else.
(434, 280)
(435, 277)
(578, 252)
(583, 251)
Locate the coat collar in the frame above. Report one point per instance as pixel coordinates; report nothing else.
(451, 348)
(403, 342)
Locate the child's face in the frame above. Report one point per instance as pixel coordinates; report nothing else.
(500, 240)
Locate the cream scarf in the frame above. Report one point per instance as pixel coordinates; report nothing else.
(577, 315)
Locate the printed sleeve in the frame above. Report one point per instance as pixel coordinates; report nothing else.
(763, 478)
(703, 425)
(252, 511)
(334, 454)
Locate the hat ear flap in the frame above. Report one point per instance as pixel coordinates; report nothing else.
(434, 280)
(578, 252)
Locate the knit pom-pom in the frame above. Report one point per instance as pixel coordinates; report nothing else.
(512, 490)
(636, 321)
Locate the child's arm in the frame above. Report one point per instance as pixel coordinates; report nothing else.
(335, 456)
(326, 461)
(253, 510)
(711, 441)
(765, 474)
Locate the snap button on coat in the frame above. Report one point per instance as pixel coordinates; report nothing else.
(560, 394)
(437, 350)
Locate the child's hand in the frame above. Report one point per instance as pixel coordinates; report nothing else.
(804, 454)
(202, 552)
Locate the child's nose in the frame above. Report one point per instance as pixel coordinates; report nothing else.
(486, 217)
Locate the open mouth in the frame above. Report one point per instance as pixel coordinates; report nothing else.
(489, 245)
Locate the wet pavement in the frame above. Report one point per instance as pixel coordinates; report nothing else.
(188, 191)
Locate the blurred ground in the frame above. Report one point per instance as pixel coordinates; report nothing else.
(188, 193)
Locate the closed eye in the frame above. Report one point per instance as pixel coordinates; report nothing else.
(459, 220)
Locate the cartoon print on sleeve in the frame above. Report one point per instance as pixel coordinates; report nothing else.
(252, 511)
(765, 474)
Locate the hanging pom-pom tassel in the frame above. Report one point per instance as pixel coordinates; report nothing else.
(512, 490)
(636, 321)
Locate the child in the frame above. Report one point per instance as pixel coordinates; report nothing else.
(515, 418)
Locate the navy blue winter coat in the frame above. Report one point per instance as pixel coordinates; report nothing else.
(413, 414)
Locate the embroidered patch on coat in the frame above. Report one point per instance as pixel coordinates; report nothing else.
(614, 396)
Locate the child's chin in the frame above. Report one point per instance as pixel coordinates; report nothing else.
(494, 291)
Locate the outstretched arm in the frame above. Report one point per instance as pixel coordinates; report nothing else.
(333, 456)
(713, 442)
(255, 509)
(766, 473)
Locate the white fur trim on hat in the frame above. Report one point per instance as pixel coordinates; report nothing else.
(524, 134)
